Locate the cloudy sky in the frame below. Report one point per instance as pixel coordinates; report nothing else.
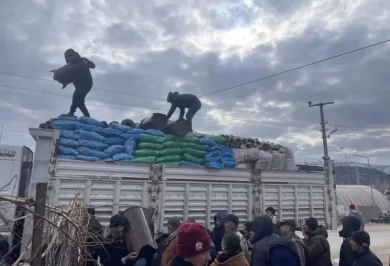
(144, 49)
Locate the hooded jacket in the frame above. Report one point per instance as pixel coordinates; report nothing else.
(218, 232)
(317, 248)
(170, 250)
(358, 215)
(226, 260)
(366, 258)
(300, 246)
(161, 243)
(113, 251)
(264, 237)
(350, 224)
(283, 252)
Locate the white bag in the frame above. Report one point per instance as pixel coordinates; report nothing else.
(278, 161)
(246, 155)
(289, 163)
(265, 160)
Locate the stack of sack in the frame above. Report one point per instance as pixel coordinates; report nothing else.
(150, 143)
(218, 156)
(88, 139)
(194, 152)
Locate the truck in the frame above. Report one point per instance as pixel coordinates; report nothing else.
(182, 191)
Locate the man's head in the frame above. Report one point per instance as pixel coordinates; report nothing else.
(193, 243)
(70, 54)
(247, 229)
(287, 227)
(311, 224)
(171, 96)
(219, 219)
(117, 225)
(231, 223)
(231, 243)
(360, 241)
(91, 210)
(270, 211)
(173, 224)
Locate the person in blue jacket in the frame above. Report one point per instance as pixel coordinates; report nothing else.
(183, 101)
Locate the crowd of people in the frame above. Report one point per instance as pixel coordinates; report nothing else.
(263, 242)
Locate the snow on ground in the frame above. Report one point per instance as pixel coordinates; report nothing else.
(380, 241)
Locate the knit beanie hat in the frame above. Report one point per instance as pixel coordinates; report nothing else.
(117, 219)
(352, 207)
(232, 218)
(174, 221)
(312, 223)
(362, 238)
(192, 239)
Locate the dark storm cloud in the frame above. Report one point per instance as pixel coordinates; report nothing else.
(151, 49)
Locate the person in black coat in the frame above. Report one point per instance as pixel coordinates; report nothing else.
(82, 86)
(283, 252)
(262, 237)
(183, 101)
(161, 243)
(360, 244)
(351, 224)
(218, 231)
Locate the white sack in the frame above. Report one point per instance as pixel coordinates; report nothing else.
(278, 160)
(265, 160)
(246, 155)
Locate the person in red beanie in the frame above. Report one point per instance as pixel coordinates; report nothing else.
(353, 211)
(192, 246)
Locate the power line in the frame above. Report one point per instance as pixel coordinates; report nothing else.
(95, 88)
(295, 68)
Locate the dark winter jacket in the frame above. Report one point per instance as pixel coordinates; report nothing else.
(113, 252)
(366, 258)
(317, 248)
(283, 252)
(181, 101)
(161, 242)
(218, 232)
(300, 246)
(179, 261)
(358, 215)
(85, 81)
(264, 237)
(350, 224)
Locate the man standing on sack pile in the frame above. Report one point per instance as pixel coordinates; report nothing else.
(82, 86)
(170, 247)
(183, 101)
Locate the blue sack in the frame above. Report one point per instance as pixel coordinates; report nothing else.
(69, 143)
(213, 156)
(62, 150)
(109, 159)
(110, 132)
(215, 148)
(187, 163)
(128, 135)
(71, 157)
(114, 141)
(229, 164)
(91, 144)
(122, 157)
(68, 118)
(137, 131)
(208, 142)
(228, 154)
(92, 153)
(226, 149)
(90, 128)
(64, 124)
(69, 134)
(87, 158)
(91, 136)
(155, 132)
(214, 165)
(91, 121)
(111, 150)
(122, 128)
(130, 145)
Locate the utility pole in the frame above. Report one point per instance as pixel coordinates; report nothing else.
(1, 132)
(323, 129)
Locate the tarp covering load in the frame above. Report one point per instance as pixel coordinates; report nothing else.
(89, 139)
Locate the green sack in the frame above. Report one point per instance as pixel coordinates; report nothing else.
(148, 159)
(145, 153)
(166, 159)
(172, 163)
(196, 146)
(151, 138)
(196, 153)
(150, 146)
(169, 152)
(173, 144)
(217, 139)
(169, 137)
(190, 158)
(188, 139)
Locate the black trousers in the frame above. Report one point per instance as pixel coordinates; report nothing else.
(195, 107)
(78, 100)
